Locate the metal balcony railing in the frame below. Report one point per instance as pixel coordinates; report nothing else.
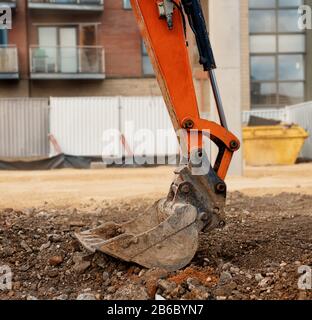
(8, 3)
(8, 62)
(81, 62)
(88, 5)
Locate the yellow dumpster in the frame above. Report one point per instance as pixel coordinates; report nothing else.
(273, 145)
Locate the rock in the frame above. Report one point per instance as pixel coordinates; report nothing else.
(192, 283)
(198, 293)
(25, 246)
(82, 262)
(283, 264)
(45, 246)
(61, 297)
(8, 252)
(234, 270)
(81, 267)
(232, 285)
(53, 273)
(221, 298)
(8, 210)
(131, 292)
(226, 266)
(111, 289)
(225, 277)
(100, 260)
(99, 211)
(142, 272)
(11, 293)
(16, 285)
(105, 276)
(29, 297)
(24, 267)
(56, 260)
(178, 292)
(29, 211)
(86, 296)
(151, 278)
(302, 295)
(75, 245)
(258, 277)
(225, 290)
(263, 283)
(159, 297)
(54, 237)
(166, 286)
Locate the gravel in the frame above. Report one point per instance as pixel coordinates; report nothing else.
(254, 259)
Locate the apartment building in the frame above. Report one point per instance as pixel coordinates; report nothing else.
(93, 47)
(74, 48)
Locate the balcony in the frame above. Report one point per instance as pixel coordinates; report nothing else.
(86, 62)
(9, 3)
(79, 5)
(8, 62)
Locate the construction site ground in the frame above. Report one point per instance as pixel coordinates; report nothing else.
(268, 236)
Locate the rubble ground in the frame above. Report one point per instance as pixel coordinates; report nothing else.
(256, 256)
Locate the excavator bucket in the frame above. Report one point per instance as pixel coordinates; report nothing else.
(165, 236)
(155, 239)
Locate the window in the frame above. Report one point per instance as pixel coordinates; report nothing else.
(126, 4)
(147, 66)
(277, 53)
(3, 37)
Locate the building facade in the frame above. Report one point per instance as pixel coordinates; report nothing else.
(94, 48)
(279, 54)
(74, 48)
(81, 48)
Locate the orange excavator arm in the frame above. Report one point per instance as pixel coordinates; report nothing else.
(167, 235)
(168, 52)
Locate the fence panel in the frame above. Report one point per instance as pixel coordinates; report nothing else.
(147, 126)
(301, 114)
(78, 124)
(24, 127)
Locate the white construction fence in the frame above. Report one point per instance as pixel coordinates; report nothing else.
(94, 126)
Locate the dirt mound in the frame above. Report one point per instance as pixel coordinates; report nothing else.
(256, 256)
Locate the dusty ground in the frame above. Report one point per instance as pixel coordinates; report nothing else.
(256, 256)
(64, 188)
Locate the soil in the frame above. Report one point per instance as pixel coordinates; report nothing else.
(256, 256)
(71, 188)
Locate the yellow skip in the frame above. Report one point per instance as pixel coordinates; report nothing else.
(273, 145)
